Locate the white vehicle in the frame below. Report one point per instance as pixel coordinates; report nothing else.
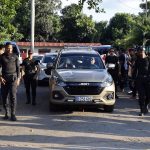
(38, 57)
(47, 58)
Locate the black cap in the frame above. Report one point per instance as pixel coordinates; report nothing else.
(8, 43)
(30, 52)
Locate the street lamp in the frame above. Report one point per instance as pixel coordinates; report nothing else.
(32, 23)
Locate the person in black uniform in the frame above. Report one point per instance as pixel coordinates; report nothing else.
(10, 78)
(112, 63)
(30, 68)
(142, 76)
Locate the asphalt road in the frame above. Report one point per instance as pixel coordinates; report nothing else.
(74, 129)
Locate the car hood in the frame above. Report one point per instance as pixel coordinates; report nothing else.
(99, 75)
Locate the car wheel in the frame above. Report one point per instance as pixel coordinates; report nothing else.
(109, 108)
(52, 107)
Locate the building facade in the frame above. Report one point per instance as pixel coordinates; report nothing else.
(46, 47)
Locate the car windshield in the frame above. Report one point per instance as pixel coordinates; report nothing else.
(80, 61)
(37, 57)
(49, 59)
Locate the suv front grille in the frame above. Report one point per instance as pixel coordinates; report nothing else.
(83, 90)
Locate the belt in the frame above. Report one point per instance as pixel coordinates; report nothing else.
(8, 74)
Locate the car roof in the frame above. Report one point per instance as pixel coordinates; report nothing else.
(37, 54)
(52, 53)
(78, 51)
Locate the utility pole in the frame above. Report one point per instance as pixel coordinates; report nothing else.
(32, 24)
(144, 39)
(146, 9)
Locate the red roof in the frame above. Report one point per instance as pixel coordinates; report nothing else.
(51, 44)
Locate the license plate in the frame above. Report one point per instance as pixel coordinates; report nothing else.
(83, 99)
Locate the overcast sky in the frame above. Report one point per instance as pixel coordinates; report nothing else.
(111, 7)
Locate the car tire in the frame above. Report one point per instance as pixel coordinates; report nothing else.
(52, 107)
(109, 108)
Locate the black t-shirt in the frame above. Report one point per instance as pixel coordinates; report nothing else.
(10, 64)
(142, 67)
(112, 60)
(30, 66)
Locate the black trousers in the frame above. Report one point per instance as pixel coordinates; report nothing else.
(123, 78)
(9, 89)
(143, 86)
(30, 84)
(114, 74)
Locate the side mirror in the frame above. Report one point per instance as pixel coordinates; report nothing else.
(50, 66)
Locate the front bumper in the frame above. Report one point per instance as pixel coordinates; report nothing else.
(104, 96)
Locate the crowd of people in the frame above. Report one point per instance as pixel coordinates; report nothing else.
(131, 69)
(128, 68)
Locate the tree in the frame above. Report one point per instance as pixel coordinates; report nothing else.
(119, 26)
(22, 19)
(140, 31)
(47, 22)
(92, 4)
(77, 27)
(100, 32)
(7, 14)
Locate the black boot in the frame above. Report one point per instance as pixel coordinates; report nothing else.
(13, 117)
(142, 110)
(6, 117)
(33, 101)
(141, 114)
(146, 109)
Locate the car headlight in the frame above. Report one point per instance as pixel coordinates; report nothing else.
(59, 82)
(107, 82)
(43, 68)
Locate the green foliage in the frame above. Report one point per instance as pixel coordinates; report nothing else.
(77, 27)
(100, 32)
(7, 14)
(119, 26)
(47, 22)
(92, 4)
